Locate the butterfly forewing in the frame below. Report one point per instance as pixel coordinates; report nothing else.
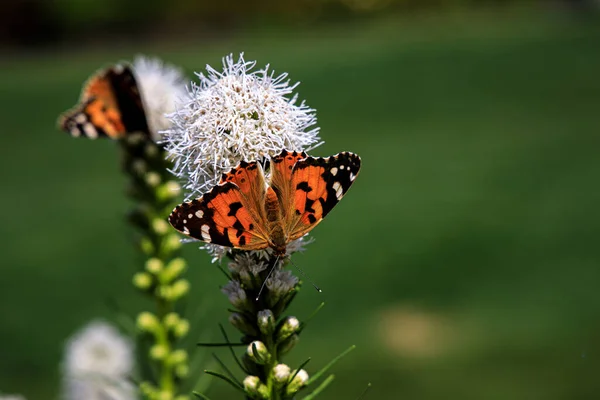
(281, 180)
(319, 184)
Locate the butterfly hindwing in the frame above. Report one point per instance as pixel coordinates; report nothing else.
(110, 106)
(319, 184)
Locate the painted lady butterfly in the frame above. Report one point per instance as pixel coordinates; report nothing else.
(244, 213)
(110, 106)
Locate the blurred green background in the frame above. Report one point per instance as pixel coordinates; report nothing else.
(464, 263)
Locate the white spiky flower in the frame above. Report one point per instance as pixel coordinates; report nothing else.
(98, 362)
(234, 115)
(162, 87)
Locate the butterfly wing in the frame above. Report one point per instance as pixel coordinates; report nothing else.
(231, 214)
(281, 180)
(318, 184)
(110, 106)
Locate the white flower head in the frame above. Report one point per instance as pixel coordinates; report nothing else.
(281, 282)
(246, 263)
(162, 87)
(98, 389)
(234, 115)
(98, 350)
(233, 290)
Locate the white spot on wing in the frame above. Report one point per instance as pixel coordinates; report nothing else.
(90, 131)
(342, 167)
(199, 213)
(339, 191)
(204, 231)
(190, 216)
(80, 118)
(186, 230)
(75, 132)
(352, 177)
(334, 171)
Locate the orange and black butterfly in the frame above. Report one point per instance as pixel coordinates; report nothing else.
(110, 106)
(245, 213)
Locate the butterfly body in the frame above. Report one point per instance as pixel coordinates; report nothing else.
(110, 106)
(245, 213)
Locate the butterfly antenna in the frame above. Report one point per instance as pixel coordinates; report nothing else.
(268, 276)
(306, 276)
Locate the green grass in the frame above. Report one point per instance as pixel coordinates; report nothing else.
(477, 207)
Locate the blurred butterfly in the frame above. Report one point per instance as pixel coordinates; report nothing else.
(110, 106)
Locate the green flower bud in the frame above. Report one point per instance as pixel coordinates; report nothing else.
(148, 322)
(152, 179)
(182, 328)
(173, 269)
(168, 190)
(180, 289)
(171, 320)
(160, 226)
(142, 280)
(154, 265)
(165, 291)
(150, 150)
(255, 388)
(178, 357)
(139, 166)
(288, 344)
(159, 352)
(241, 323)
(289, 326)
(171, 243)
(281, 374)
(297, 383)
(182, 371)
(147, 389)
(258, 352)
(147, 246)
(165, 395)
(266, 322)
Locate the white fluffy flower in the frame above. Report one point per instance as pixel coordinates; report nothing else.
(162, 87)
(236, 115)
(98, 349)
(98, 362)
(98, 389)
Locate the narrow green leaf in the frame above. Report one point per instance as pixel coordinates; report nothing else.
(226, 370)
(298, 370)
(331, 363)
(364, 391)
(314, 313)
(231, 349)
(224, 272)
(320, 388)
(226, 379)
(200, 396)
